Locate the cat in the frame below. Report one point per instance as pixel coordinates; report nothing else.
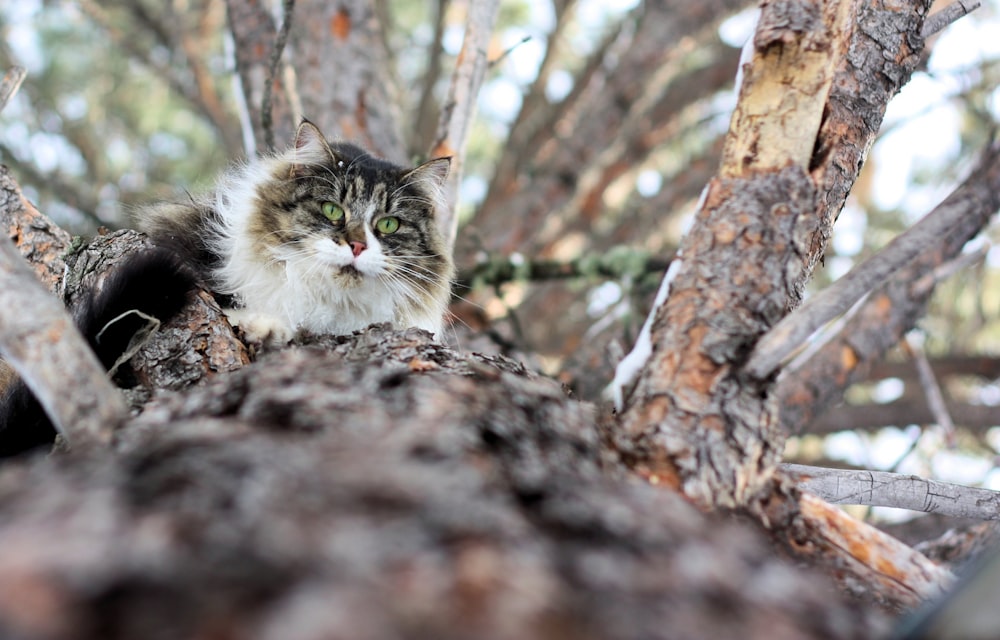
(324, 238)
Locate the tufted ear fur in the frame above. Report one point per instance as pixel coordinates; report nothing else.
(431, 177)
(311, 148)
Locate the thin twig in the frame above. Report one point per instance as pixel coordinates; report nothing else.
(500, 58)
(902, 491)
(287, 8)
(10, 84)
(938, 21)
(913, 344)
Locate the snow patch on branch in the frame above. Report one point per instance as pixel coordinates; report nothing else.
(628, 369)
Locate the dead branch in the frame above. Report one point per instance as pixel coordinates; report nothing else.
(885, 489)
(913, 345)
(866, 562)
(944, 366)
(938, 21)
(460, 105)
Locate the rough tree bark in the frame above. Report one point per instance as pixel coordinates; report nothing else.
(380, 486)
(698, 421)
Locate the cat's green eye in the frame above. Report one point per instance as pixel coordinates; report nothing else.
(333, 211)
(387, 225)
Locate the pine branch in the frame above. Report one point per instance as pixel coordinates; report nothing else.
(901, 491)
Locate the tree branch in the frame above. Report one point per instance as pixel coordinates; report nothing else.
(977, 418)
(426, 113)
(789, 334)
(254, 35)
(866, 562)
(11, 82)
(287, 10)
(913, 345)
(938, 21)
(885, 489)
(71, 193)
(810, 386)
(460, 105)
(742, 265)
(38, 339)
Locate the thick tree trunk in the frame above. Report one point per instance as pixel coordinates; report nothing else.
(380, 486)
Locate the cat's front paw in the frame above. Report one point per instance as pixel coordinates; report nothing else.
(261, 329)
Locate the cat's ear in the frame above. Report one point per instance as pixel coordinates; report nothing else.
(431, 177)
(311, 148)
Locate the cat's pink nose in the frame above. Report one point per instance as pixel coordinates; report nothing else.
(357, 248)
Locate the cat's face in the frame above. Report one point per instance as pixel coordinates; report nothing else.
(346, 219)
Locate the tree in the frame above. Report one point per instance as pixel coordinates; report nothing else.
(383, 485)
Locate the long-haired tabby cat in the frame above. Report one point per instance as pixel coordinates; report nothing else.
(324, 238)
